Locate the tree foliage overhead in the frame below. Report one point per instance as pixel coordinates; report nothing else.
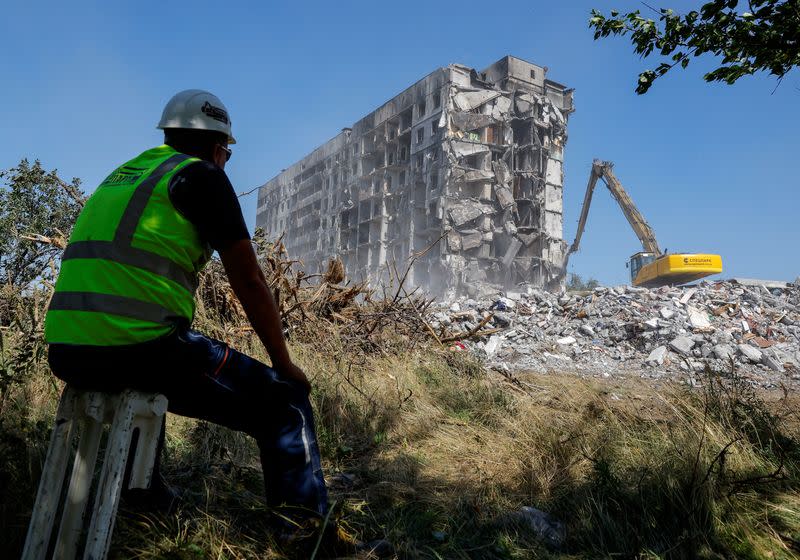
(37, 211)
(763, 37)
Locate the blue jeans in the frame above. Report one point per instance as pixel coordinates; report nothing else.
(206, 379)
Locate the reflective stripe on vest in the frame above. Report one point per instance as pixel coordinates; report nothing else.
(125, 254)
(116, 305)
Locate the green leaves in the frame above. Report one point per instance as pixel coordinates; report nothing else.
(764, 38)
(37, 203)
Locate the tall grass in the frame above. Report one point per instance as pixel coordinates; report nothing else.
(439, 452)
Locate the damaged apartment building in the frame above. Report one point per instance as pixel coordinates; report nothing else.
(462, 170)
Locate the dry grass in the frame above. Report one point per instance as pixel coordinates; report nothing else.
(440, 451)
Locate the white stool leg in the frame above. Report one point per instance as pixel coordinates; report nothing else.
(53, 474)
(81, 481)
(149, 423)
(98, 538)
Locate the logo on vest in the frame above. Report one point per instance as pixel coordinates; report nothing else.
(123, 176)
(215, 113)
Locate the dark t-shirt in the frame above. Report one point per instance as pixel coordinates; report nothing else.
(202, 193)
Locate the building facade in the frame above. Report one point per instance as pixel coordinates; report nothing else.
(462, 171)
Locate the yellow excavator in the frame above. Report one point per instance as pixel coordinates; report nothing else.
(649, 268)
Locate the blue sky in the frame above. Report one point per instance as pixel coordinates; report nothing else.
(712, 167)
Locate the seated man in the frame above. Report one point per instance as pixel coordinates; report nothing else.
(123, 305)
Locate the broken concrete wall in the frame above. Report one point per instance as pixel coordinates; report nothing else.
(465, 167)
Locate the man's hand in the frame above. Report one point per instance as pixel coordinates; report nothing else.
(294, 373)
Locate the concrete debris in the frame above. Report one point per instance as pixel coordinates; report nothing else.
(467, 175)
(492, 346)
(463, 213)
(651, 324)
(779, 284)
(698, 319)
(470, 121)
(751, 353)
(688, 295)
(682, 345)
(771, 362)
(723, 351)
(657, 356)
(470, 239)
(462, 148)
(468, 100)
(459, 150)
(454, 241)
(616, 331)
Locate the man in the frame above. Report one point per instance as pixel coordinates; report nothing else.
(124, 301)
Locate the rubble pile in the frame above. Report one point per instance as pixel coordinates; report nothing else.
(663, 332)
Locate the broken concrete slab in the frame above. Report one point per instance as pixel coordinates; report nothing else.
(504, 196)
(462, 149)
(466, 175)
(512, 251)
(772, 362)
(470, 239)
(698, 319)
(492, 345)
(471, 121)
(723, 351)
(751, 353)
(463, 213)
(688, 295)
(682, 345)
(454, 241)
(657, 356)
(468, 100)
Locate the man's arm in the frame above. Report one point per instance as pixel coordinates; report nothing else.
(250, 286)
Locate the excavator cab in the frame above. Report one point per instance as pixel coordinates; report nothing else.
(638, 261)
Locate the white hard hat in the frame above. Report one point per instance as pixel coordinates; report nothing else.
(198, 109)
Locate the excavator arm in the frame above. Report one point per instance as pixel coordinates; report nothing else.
(603, 170)
(649, 268)
(640, 227)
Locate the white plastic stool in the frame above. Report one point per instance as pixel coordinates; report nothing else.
(125, 412)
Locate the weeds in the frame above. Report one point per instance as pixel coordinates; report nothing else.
(437, 452)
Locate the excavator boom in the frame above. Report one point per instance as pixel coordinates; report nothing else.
(603, 170)
(640, 227)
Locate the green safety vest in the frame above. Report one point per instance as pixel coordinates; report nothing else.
(129, 272)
